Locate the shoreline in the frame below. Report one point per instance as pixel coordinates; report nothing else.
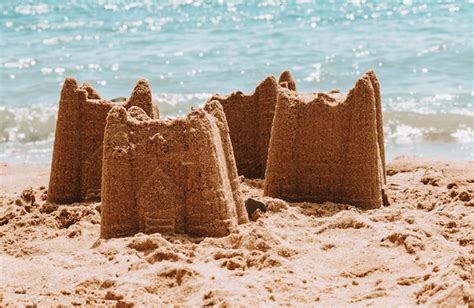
(449, 151)
(37, 175)
(415, 251)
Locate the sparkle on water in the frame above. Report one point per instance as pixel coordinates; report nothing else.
(421, 51)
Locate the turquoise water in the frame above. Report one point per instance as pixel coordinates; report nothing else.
(422, 52)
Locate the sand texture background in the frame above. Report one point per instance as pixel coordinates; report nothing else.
(418, 250)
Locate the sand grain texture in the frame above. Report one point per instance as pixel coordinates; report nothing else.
(416, 251)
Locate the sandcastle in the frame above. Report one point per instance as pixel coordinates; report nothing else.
(169, 176)
(250, 120)
(329, 148)
(77, 153)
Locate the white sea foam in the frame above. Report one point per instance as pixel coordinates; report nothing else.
(464, 135)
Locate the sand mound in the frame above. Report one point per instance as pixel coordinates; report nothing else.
(76, 168)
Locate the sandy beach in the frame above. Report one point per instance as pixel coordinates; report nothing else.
(418, 250)
(237, 153)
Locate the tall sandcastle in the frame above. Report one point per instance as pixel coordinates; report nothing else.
(329, 148)
(250, 118)
(77, 153)
(169, 176)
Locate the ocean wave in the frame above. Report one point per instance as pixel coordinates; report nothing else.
(30, 153)
(28, 134)
(444, 103)
(27, 124)
(175, 104)
(411, 127)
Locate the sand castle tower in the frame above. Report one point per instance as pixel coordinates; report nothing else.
(286, 80)
(169, 176)
(77, 153)
(329, 148)
(250, 120)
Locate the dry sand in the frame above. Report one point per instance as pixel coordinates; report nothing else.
(419, 250)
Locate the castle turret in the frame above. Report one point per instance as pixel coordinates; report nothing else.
(118, 211)
(215, 108)
(141, 97)
(287, 78)
(77, 154)
(329, 148)
(65, 179)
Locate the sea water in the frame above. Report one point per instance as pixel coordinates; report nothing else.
(422, 52)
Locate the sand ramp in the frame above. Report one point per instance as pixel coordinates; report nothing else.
(77, 153)
(329, 148)
(169, 176)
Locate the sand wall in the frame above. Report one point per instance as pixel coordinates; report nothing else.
(250, 120)
(169, 176)
(77, 154)
(329, 148)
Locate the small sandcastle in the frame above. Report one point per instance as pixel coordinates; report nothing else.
(181, 175)
(169, 176)
(77, 154)
(250, 118)
(329, 148)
